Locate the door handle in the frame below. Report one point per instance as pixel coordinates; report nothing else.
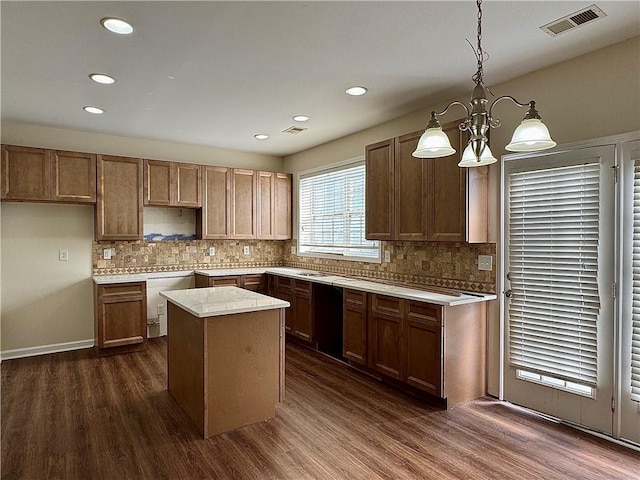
(508, 293)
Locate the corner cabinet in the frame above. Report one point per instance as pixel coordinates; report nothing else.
(40, 175)
(120, 317)
(119, 201)
(412, 199)
(172, 184)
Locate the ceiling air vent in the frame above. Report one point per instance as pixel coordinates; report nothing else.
(573, 20)
(294, 130)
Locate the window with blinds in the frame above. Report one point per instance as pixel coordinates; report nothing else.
(553, 255)
(635, 299)
(331, 214)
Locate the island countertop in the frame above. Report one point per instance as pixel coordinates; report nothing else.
(215, 301)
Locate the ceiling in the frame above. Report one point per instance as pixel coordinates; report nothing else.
(216, 73)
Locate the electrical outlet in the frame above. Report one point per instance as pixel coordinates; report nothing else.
(245, 249)
(293, 250)
(106, 254)
(485, 262)
(63, 255)
(212, 251)
(160, 309)
(387, 256)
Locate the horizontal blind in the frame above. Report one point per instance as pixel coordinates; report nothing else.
(553, 255)
(635, 302)
(332, 206)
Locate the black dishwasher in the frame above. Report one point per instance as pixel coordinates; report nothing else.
(327, 316)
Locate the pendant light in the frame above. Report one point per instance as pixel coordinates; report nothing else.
(530, 136)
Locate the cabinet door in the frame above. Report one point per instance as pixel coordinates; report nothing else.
(243, 196)
(157, 183)
(423, 338)
(253, 282)
(186, 184)
(74, 177)
(385, 335)
(26, 173)
(354, 326)
(303, 320)
(213, 218)
(265, 203)
(119, 201)
(379, 181)
(284, 286)
(282, 206)
(410, 190)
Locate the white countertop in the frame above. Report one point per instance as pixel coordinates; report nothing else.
(425, 295)
(215, 301)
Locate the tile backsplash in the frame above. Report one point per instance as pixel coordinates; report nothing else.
(448, 265)
(438, 264)
(167, 256)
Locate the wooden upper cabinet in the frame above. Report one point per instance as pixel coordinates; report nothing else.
(41, 175)
(172, 184)
(410, 190)
(412, 199)
(119, 202)
(213, 220)
(379, 215)
(457, 202)
(243, 203)
(273, 206)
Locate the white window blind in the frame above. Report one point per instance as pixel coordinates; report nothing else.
(635, 302)
(332, 206)
(553, 254)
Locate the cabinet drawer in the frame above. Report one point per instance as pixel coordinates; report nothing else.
(120, 289)
(388, 305)
(355, 298)
(224, 281)
(424, 312)
(285, 284)
(253, 282)
(303, 287)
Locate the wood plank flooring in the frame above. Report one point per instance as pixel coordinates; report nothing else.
(75, 416)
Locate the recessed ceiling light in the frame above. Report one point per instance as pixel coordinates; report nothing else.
(301, 118)
(102, 78)
(356, 91)
(117, 25)
(261, 136)
(91, 109)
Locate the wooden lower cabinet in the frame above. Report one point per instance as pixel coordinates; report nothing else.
(284, 291)
(303, 311)
(354, 326)
(253, 282)
(438, 350)
(120, 317)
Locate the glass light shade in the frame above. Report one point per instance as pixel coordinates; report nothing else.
(433, 143)
(530, 136)
(469, 159)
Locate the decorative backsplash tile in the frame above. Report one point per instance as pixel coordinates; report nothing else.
(448, 265)
(439, 264)
(166, 256)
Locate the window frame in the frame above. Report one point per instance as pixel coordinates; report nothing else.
(330, 256)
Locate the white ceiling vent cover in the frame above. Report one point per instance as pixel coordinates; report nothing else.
(573, 20)
(294, 130)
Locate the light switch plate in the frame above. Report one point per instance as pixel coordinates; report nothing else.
(106, 254)
(387, 256)
(293, 250)
(63, 255)
(485, 262)
(245, 249)
(212, 251)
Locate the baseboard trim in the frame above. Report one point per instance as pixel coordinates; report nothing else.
(45, 349)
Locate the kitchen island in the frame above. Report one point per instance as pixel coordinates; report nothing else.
(225, 356)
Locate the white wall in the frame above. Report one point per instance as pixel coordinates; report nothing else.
(46, 301)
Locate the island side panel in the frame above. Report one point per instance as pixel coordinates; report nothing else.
(185, 360)
(465, 355)
(282, 352)
(243, 356)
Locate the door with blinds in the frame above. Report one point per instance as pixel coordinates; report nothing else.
(559, 260)
(629, 395)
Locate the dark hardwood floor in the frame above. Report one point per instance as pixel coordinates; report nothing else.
(75, 416)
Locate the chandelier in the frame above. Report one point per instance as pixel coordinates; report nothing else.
(531, 135)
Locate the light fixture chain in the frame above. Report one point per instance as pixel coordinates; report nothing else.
(477, 78)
